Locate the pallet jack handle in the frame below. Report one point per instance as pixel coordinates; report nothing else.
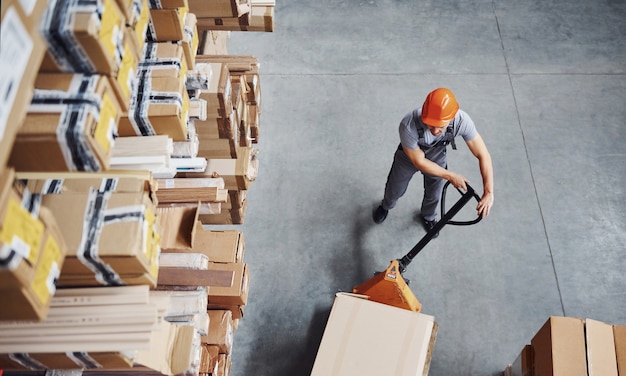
(446, 218)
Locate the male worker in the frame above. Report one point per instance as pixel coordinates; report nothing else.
(424, 135)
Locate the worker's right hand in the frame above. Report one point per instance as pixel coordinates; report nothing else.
(458, 181)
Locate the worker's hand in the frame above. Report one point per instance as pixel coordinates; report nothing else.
(484, 205)
(458, 181)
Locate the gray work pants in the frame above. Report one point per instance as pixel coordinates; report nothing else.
(402, 170)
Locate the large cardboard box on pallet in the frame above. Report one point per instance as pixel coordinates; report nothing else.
(365, 338)
(559, 348)
(600, 348)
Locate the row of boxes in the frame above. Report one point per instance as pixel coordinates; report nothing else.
(570, 346)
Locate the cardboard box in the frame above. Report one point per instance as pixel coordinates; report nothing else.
(191, 41)
(233, 216)
(164, 59)
(160, 106)
(98, 40)
(368, 338)
(559, 348)
(70, 125)
(237, 294)
(219, 8)
(167, 24)
(108, 235)
(523, 364)
(125, 80)
(221, 330)
(236, 310)
(238, 174)
(221, 246)
(171, 349)
(619, 333)
(600, 348)
(218, 92)
(21, 54)
(178, 225)
(32, 252)
(213, 42)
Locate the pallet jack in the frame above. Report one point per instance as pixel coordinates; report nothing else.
(389, 287)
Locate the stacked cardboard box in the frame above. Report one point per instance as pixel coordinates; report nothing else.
(247, 15)
(32, 251)
(572, 346)
(22, 51)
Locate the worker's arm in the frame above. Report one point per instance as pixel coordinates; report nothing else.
(420, 161)
(479, 149)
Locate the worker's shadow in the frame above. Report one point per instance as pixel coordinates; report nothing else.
(353, 262)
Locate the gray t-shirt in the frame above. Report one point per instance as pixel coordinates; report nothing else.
(463, 126)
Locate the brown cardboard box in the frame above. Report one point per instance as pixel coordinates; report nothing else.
(167, 24)
(233, 216)
(221, 330)
(213, 42)
(59, 134)
(369, 338)
(218, 93)
(191, 41)
(238, 174)
(619, 333)
(559, 348)
(219, 245)
(99, 39)
(236, 310)
(219, 148)
(160, 106)
(164, 59)
(178, 225)
(523, 364)
(237, 294)
(125, 79)
(219, 8)
(32, 253)
(600, 348)
(23, 49)
(108, 234)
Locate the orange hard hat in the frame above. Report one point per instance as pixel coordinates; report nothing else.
(439, 108)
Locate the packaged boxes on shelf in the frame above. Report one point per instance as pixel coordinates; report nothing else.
(70, 125)
(238, 174)
(111, 237)
(163, 59)
(219, 8)
(78, 41)
(32, 251)
(167, 24)
(160, 106)
(21, 55)
(221, 330)
(237, 293)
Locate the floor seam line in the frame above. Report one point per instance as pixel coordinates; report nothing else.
(530, 167)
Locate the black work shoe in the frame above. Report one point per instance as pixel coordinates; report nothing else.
(429, 225)
(380, 214)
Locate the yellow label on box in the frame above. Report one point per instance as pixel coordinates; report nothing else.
(153, 239)
(141, 27)
(22, 230)
(106, 124)
(110, 28)
(127, 71)
(47, 271)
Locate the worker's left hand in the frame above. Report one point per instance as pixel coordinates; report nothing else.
(484, 205)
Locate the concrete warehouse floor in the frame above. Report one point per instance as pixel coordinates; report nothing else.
(545, 83)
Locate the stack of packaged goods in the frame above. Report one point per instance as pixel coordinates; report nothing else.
(125, 131)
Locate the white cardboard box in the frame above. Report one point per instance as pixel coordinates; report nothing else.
(368, 338)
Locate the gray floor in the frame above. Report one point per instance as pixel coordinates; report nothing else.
(545, 82)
